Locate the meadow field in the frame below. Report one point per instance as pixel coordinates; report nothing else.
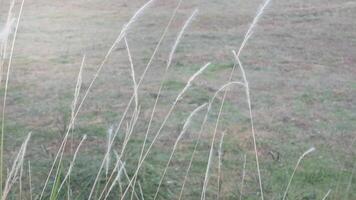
(178, 99)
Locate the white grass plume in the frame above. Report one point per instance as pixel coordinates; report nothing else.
(184, 130)
(249, 32)
(5, 34)
(16, 166)
(295, 169)
(77, 89)
(191, 79)
(179, 37)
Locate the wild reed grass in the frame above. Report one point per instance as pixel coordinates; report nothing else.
(118, 176)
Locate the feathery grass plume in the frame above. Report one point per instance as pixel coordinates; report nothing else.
(249, 32)
(16, 167)
(220, 154)
(326, 195)
(243, 177)
(72, 163)
(295, 169)
(4, 37)
(5, 96)
(99, 68)
(184, 130)
(157, 134)
(191, 79)
(77, 89)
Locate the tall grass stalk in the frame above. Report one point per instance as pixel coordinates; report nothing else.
(295, 169)
(207, 171)
(220, 155)
(237, 56)
(108, 149)
(30, 179)
(243, 178)
(184, 130)
(5, 97)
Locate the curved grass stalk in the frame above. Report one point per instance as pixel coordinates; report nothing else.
(295, 169)
(184, 130)
(237, 55)
(201, 131)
